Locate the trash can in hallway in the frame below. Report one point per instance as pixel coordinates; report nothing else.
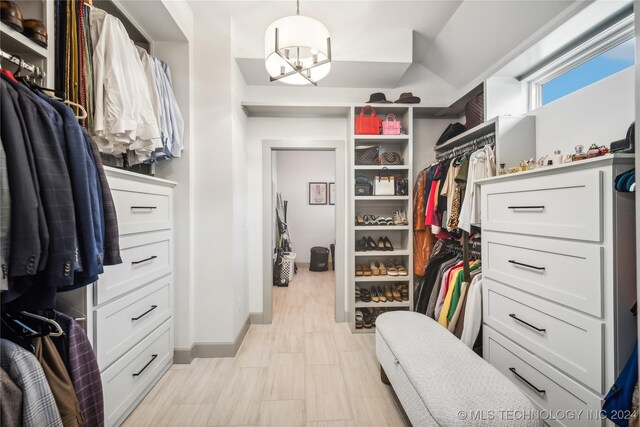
(319, 259)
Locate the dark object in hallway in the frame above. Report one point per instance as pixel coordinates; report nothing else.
(319, 259)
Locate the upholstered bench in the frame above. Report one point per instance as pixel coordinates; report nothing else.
(440, 381)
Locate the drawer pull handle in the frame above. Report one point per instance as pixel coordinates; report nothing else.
(143, 260)
(513, 316)
(143, 207)
(526, 207)
(153, 357)
(526, 265)
(153, 307)
(526, 381)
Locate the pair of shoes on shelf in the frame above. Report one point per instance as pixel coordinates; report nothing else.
(366, 243)
(377, 268)
(359, 319)
(373, 220)
(395, 268)
(362, 270)
(400, 218)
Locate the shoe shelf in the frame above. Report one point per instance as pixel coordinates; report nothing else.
(381, 227)
(380, 198)
(378, 167)
(386, 278)
(16, 43)
(401, 236)
(372, 304)
(399, 252)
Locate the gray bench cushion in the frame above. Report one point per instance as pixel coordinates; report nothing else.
(447, 375)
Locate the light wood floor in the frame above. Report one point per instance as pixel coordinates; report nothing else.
(302, 370)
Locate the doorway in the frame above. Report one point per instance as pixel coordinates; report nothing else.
(310, 177)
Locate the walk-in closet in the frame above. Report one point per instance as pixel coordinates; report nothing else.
(318, 213)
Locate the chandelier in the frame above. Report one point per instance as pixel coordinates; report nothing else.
(297, 50)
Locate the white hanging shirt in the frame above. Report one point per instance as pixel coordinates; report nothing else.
(124, 117)
(482, 164)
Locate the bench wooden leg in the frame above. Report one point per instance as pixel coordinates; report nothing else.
(383, 376)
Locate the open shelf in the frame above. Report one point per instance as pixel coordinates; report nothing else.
(381, 198)
(378, 167)
(381, 138)
(386, 278)
(382, 304)
(16, 43)
(400, 252)
(381, 227)
(471, 134)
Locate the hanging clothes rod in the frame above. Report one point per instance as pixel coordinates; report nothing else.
(473, 145)
(37, 71)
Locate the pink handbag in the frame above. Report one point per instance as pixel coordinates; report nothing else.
(391, 125)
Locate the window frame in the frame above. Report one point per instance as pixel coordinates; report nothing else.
(597, 43)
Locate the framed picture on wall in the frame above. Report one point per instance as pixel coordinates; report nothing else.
(332, 193)
(317, 193)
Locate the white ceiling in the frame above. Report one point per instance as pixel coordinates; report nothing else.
(374, 42)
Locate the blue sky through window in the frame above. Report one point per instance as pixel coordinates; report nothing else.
(603, 65)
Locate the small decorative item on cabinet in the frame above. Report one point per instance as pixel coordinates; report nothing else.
(503, 169)
(368, 125)
(594, 151)
(391, 125)
(557, 157)
(579, 154)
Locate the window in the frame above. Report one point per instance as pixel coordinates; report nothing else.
(608, 49)
(610, 62)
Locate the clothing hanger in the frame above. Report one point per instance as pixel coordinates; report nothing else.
(59, 331)
(51, 94)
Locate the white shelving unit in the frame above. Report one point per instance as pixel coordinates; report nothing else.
(515, 138)
(400, 236)
(16, 43)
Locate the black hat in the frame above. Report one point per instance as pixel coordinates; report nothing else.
(408, 98)
(378, 98)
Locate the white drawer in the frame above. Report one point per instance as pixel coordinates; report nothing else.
(123, 323)
(141, 207)
(569, 207)
(128, 378)
(570, 273)
(145, 257)
(570, 341)
(560, 395)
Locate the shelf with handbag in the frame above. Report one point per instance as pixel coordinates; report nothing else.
(386, 122)
(382, 177)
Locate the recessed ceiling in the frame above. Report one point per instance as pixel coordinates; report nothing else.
(375, 42)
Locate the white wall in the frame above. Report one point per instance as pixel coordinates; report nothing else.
(309, 225)
(599, 113)
(425, 135)
(258, 130)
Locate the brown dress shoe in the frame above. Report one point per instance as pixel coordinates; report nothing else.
(11, 15)
(36, 31)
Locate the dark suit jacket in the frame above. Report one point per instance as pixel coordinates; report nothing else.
(111, 234)
(88, 209)
(55, 189)
(29, 237)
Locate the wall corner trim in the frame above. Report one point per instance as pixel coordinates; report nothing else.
(183, 356)
(210, 350)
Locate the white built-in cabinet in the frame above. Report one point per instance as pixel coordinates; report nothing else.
(559, 281)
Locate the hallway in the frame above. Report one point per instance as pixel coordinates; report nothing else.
(302, 370)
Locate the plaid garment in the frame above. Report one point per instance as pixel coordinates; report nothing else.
(84, 371)
(111, 234)
(10, 401)
(39, 407)
(5, 221)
